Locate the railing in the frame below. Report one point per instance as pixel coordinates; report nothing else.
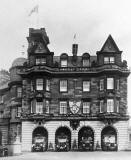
(74, 69)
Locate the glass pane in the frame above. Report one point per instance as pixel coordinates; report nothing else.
(106, 60)
(63, 85)
(112, 59)
(39, 84)
(86, 86)
(110, 83)
(63, 63)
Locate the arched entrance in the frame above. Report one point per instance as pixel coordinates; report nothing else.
(63, 139)
(86, 139)
(109, 139)
(39, 139)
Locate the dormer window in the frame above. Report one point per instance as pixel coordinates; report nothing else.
(64, 60)
(86, 60)
(109, 60)
(64, 63)
(40, 61)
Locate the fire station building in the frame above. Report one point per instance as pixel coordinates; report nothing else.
(76, 96)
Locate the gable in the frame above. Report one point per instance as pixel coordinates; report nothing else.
(110, 45)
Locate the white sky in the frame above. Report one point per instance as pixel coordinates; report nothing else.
(91, 20)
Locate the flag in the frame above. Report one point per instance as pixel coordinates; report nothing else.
(34, 10)
(74, 36)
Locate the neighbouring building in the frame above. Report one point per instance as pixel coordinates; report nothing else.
(78, 96)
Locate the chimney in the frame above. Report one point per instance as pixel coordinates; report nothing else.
(74, 50)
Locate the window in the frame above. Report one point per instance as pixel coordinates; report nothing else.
(86, 107)
(47, 85)
(40, 61)
(39, 106)
(47, 105)
(39, 84)
(1, 114)
(110, 83)
(18, 111)
(110, 105)
(86, 86)
(1, 99)
(85, 62)
(101, 106)
(101, 84)
(63, 85)
(63, 107)
(64, 63)
(31, 86)
(117, 84)
(19, 92)
(130, 137)
(117, 106)
(109, 60)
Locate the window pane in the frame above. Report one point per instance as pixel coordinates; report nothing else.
(110, 105)
(86, 86)
(86, 62)
(48, 85)
(101, 106)
(110, 83)
(101, 84)
(19, 92)
(39, 84)
(112, 60)
(106, 60)
(63, 107)
(63, 85)
(43, 60)
(39, 106)
(64, 63)
(117, 106)
(18, 111)
(117, 84)
(47, 105)
(37, 61)
(86, 107)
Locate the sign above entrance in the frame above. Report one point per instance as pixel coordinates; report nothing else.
(74, 106)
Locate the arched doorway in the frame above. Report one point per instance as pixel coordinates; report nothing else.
(39, 139)
(109, 139)
(63, 139)
(86, 139)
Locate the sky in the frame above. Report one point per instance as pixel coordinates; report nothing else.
(91, 20)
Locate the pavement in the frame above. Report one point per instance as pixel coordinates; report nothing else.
(125, 155)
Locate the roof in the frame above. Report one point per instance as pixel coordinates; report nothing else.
(19, 62)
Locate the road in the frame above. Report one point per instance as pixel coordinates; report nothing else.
(72, 156)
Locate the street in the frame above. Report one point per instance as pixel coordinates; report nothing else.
(72, 156)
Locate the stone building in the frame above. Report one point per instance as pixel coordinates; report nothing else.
(73, 95)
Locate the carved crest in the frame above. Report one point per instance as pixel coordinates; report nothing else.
(74, 106)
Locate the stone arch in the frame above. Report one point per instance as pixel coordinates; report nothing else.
(40, 137)
(86, 138)
(63, 138)
(109, 139)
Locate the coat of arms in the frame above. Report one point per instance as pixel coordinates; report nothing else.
(74, 106)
